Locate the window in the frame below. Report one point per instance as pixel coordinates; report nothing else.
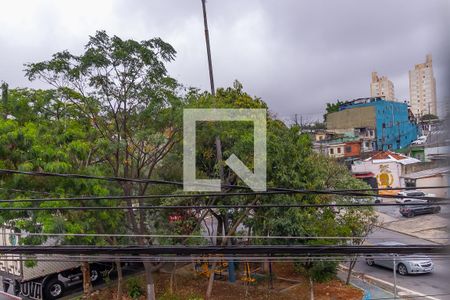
(348, 149)
(338, 150)
(410, 182)
(331, 151)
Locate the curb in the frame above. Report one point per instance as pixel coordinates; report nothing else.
(389, 287)
(411, 235)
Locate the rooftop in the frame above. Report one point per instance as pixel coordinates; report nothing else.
(389, 156)
(428, 173)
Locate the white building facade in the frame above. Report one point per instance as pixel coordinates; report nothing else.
(422, 89)
(387, 167)
(381, 86)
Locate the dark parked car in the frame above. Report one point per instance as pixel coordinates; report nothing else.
(410, 211)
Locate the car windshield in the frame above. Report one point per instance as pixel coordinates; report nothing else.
(416, 194)
(414, 206)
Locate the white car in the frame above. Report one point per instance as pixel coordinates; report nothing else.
(405, 264)
(420, 141)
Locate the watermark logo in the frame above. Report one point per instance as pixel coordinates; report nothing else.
(255, 180)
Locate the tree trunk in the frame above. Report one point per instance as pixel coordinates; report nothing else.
(172, 278)
(231, 231)
(119, 279)
(211, 281)
(311, 286)
(87, 286)
(149, 281)
(350, 269)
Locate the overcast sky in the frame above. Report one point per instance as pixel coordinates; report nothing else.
(295, 55)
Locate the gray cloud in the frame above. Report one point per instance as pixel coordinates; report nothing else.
(295, 55)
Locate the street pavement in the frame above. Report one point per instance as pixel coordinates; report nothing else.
(432, 227)
(435, 283)
(393, 211)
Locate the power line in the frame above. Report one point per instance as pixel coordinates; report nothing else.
(238, 250)
(81, 176)
(187, 258)
(27, 191)
(270, 237)
(200, 207)
(205, 195)
(179, 183)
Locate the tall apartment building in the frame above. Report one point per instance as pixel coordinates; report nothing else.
(422, 89)
(381, 86)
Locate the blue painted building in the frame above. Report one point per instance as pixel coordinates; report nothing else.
(393, 123)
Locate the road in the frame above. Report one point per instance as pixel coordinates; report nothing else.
(393, 211)
(434, 283)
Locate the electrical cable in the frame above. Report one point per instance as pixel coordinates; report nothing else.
(200, 207)
(187, 258)
(178, 183)
(247, 249)
(159, 196)
(27, 191)
(25, 234)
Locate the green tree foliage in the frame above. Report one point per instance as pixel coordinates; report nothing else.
(332, 107)
(115, 111)
(429, 117)
(123, 89)
(44, 134)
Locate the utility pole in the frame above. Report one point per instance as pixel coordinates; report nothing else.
(395, 276)
(218, 152)
(5, 99)
(208, 49)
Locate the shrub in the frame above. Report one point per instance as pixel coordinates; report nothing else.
(319, 271)
(134, 288)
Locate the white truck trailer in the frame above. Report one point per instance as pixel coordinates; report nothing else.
(47, 279)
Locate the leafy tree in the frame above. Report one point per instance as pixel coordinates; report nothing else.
(322, 173)
(291, 163)
(332, 107)
(429, 117)
(44, 134)
(116, 111)
(123, 88)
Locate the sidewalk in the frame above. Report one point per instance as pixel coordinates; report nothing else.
(432, 227)
(371, 291)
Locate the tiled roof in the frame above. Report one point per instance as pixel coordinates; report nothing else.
(389, 156)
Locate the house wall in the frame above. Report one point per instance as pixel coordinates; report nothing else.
(438, 180)
(336, 151)
(391, 120)
(412, 168)
(348, 119)
(387, 174)
(355, 149)
(430, 151)
(394, 128)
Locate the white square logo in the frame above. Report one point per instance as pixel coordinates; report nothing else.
(257, 180)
